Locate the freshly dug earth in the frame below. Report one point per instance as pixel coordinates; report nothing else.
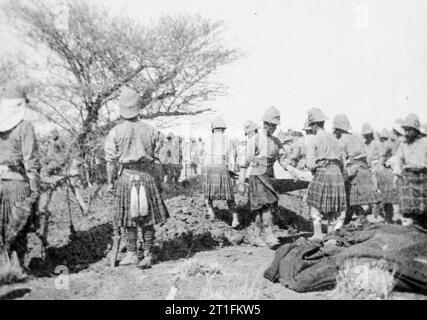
(188, 234)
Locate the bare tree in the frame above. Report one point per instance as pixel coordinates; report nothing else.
(91, 54)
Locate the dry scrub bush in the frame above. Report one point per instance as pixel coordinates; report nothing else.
(248, 290)
(365, 280)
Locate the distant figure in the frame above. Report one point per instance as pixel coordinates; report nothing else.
(130, 147)
(19, 173)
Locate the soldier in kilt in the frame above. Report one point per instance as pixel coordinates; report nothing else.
(19, 173)
(326, 193)
(263, 150)
(411, 172)
(217, 181)
(360, 185)
(130, 147)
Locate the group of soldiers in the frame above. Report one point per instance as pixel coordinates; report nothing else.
(349, 172)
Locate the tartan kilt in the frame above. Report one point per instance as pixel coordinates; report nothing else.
(217, 184)
(261, 193)
(157, 210)
(385, 184)
(14, 212)
(361, 188)
(327, 192)
(413, 192)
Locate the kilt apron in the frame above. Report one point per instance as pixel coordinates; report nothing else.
(129, 193)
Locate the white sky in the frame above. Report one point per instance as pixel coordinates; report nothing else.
(367, 59)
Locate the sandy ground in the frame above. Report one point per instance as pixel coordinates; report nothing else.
(224, 264)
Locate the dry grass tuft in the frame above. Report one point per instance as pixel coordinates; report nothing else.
(248, 290)
(194, 267)
(366, 280)
(10, 269)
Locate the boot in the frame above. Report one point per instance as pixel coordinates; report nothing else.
(236, 222)
(147, 262)
(258, 241)
(131, 258)
(270, 238)
(318, 233)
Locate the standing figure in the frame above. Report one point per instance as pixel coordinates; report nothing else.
(411, 172)
(177, 159)
(130, 147)
(326, 193)
(384, 176)
(263, 150)
(375, 157)
(217, 183)
(168, 157)
(360, 185)
(19, 173)
(298, 156)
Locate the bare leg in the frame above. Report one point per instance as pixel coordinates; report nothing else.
(209, 205)
(317, 225)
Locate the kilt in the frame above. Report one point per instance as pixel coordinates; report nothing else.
(14, 215)
(326, 191)
(413, 192)
(217, 184)
(157, 210)
(261, 193)
(361, 189)
(385, 184)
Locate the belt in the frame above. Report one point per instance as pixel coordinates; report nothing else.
(137, 166)
(325, 163)
(415, 170)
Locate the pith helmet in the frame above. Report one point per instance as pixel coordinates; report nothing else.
(306, 126)
(129, 103)
(316, 115)
(271, 115)
(250, 126)
(341, 122)
(384, 134)
(412, 121)
(367, 129)
(397, 126)
(218, 123)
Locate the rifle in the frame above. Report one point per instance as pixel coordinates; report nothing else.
(117, 238)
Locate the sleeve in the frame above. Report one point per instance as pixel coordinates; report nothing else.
(31, 156)
(311, 155)
(250, 151)
(111, 150)
(397, 168)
